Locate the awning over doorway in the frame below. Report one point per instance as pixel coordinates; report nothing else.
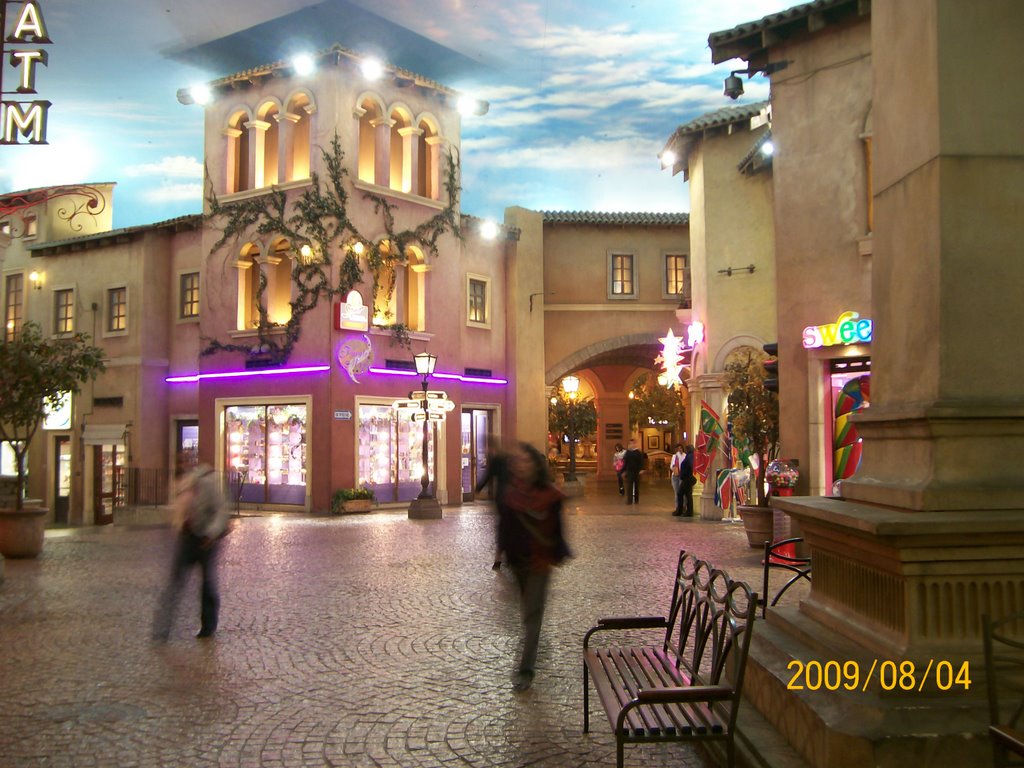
(104, 434)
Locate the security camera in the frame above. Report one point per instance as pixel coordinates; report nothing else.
(733, 86)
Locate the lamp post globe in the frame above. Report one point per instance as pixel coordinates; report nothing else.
(571, 387)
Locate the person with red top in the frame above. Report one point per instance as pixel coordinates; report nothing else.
(530, 535)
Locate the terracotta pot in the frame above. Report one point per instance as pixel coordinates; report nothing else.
(21, 532)
(758, 523)
(358, 505)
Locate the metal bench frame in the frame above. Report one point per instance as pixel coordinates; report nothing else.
(679, 689)
(1004, 674)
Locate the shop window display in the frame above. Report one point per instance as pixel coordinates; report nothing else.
(390, 453)
(266, 446)
(850, 393)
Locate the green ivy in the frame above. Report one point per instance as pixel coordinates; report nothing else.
(320, 219)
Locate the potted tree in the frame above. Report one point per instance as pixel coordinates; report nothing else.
(352, 500)
(36, 372)
(754, 415)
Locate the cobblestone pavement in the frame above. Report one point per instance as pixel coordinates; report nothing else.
(366, 640)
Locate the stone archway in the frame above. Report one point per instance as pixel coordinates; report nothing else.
(610, 367)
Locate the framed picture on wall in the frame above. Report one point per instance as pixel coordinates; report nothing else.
(653, 443)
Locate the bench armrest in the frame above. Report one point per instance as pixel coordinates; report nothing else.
(632, 622)
(1007, 737)
(625, 622)
(685, 693)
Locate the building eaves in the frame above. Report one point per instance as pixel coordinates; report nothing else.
(124, 234)
(750, 41)
(333, 54)
(634, 219)
(683, 138)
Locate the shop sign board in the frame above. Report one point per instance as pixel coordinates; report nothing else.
(343, 415)
(23, 32)
(351, 314)
(849, 328)
(430, 394)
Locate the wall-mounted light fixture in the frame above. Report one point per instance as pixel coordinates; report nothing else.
(734, 85)
(36, 278)
(729, 270)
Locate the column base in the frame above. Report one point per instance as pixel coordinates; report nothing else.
(851, 729)
(425, 509)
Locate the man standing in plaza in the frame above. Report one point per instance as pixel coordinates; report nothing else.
(633, 464)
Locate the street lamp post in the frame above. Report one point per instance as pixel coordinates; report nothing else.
(571, 386)
(425, 506)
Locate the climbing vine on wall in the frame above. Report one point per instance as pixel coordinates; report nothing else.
(319, 220)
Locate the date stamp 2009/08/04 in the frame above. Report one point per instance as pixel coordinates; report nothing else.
(834, 675)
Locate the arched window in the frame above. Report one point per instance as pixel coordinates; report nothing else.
(267, 158)
(279, 283)
(385, 297)
(248, 287)
(415, 290)
(299, 116)
(237, 155)
(370, 115)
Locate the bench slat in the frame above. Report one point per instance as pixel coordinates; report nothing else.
(708, 719)
(613, 697)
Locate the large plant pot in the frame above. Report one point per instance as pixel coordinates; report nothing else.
(357, 506)
(21, 532)
(758, 523)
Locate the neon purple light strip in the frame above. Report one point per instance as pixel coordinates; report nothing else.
(238, 374)
(456, 376)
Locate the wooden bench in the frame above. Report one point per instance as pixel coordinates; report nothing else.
(677, 689)
(780, 555)
(1004, 674)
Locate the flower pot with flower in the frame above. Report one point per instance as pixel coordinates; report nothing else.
(349, 500)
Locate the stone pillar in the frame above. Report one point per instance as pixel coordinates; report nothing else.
(257, 133)
(231, 160)
(410, 158)
(382, 155)
(435, 179)
(286, 122)
(612, 408)
(930, 534)
(710, 388)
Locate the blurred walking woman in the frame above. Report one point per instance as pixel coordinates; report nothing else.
(530, 534)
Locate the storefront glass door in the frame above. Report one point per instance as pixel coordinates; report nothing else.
(266, 450)
(851, 391)
(390, 447)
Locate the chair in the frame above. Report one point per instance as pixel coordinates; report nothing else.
(1004, 673)
(780, 554)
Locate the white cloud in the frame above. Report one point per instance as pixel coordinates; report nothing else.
(174, 193)
(176, 167)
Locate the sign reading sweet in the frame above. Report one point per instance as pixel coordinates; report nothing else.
(850, 328)
(23, 31)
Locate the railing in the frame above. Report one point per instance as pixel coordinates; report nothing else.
(140, 487)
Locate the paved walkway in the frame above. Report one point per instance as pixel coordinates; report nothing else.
(357, 641)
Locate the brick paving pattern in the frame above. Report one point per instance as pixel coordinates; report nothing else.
(356, 641)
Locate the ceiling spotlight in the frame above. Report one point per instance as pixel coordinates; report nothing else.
(668, 158)
(372, 69)
(200, 94)
(467, 105)
(768, 148)
(303, 64)
(488, 230)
